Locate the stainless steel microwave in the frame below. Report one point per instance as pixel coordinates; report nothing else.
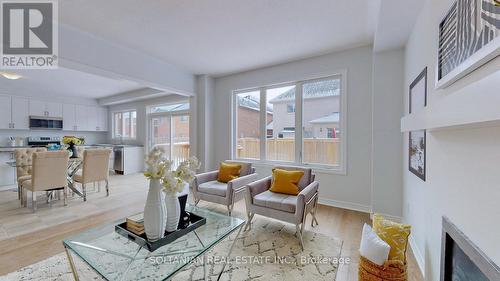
(46, 123)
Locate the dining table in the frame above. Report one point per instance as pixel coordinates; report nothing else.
(74, 164)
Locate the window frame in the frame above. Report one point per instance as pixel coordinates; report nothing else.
(130, 111)
(299, 139)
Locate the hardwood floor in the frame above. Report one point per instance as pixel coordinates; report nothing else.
(25, 249)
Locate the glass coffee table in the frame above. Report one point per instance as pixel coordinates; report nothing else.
(115, 257)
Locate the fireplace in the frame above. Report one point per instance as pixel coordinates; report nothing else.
(461, 260)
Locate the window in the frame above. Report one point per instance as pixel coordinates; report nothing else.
(281, 147)
(169, 129)
(303, 123)
(248, 125)
(125, 125)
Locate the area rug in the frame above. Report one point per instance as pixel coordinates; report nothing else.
(269, 251)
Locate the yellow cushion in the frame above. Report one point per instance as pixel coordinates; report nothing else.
(286, 182)
(228, 172)
(394, 234)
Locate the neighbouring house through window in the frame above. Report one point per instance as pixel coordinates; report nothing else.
(312, 106)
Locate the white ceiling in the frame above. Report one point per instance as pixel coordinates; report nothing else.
(219, 37)
(395, 23)
(64, 82)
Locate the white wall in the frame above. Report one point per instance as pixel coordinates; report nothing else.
(204, 120)
(387, 104)
(351, 190)
(462, 165)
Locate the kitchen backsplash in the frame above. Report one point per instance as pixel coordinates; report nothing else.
(90, 137)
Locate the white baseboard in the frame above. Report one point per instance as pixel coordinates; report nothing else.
(345, 205)
(393, 218)
(418, 255)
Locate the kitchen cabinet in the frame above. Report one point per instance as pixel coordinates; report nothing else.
(54, 109)
(20, 116)
(81, 118)
(7, 173)
(14, 113)
(69, 120)
(102, 124)
(43, 108)
(92, 118)
(5, 112)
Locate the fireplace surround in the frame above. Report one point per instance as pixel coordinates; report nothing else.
(462, 260)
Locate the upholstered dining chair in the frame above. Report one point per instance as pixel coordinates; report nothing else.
(95, 169)
(24, 157)
(206, 187)
(289, 208)
(49, 173)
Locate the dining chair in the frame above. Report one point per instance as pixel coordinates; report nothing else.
(24, 158)
(95, 169)
(289, 208)
(49, 173)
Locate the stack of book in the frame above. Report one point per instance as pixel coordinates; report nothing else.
(136, 224)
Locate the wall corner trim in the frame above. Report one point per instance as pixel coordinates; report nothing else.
(418, 256)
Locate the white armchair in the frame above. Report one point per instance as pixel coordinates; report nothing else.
(206, 187)
(289, 208)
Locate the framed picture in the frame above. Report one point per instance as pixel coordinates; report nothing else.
(469, 36)
(417, 153)
(418, 92)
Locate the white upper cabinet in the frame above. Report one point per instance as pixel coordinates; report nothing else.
(103, 119)
(48, 109)
(14, 113)
(5, 112)
(81, 118)
(69, 119)
(37, 108)
(92, 118)
(20, 116)
(55, 109)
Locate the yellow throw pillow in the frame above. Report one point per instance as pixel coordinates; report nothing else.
(228, 172)
(286, 182)
(393, 233)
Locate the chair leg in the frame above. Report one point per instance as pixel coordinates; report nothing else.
(107, 187)
(299, 235)
(33, 201)
(196, 201)
(65, 191)
(84, 191)
(229, 210)
(19, 195)
(248, 226)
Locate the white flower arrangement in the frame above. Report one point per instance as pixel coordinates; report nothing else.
(158, 167)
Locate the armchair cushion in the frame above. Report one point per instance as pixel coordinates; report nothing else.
(286, 181)
(277, 201)
(228, 172)
(213, 187)
(246, 167)
(306, 178)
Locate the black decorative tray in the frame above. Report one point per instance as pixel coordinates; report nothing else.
(195, 222)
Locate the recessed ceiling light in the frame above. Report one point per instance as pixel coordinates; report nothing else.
(10, 75)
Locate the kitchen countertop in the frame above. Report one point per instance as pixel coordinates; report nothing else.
(12, 148)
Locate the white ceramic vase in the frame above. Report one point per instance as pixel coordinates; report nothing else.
(155, 212)
(173, 211)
